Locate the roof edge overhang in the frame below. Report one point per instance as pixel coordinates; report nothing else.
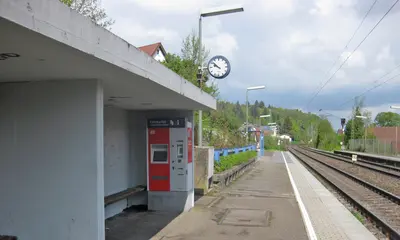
(55, 20)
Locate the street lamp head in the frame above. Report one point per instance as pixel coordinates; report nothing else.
(255, 88)
(265, 116)
(363, 117)
(221, 10)
(395, 107)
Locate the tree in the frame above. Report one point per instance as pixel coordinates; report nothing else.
(357, 123)
(91, 9)
(191, 47)
(186, 65)
(287, 125)
(326, 136)
(387, 119)
(188, 70)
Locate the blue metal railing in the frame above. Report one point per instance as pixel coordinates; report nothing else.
(228, 151)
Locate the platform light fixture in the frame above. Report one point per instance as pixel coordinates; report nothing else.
(264, 116)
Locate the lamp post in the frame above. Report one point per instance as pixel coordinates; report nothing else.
(365, 126)
(247, 107)
(209, 13)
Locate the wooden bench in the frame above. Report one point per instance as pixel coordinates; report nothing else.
(113, 198)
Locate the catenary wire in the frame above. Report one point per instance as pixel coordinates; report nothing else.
(355, 49)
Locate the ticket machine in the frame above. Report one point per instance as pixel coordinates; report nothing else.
(170, 164)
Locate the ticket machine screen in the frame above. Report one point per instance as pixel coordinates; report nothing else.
(159, 153)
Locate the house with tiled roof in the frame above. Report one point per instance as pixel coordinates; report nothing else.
(156, 50)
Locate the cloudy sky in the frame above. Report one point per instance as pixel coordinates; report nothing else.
(289, 46)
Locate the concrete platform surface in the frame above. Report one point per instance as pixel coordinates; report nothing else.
(329, 218)
(259, 205)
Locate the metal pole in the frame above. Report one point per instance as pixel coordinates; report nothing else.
(343, 145)
(200, 127)
(247, 116)
(396, 140)
(365, 137)
(352, 130)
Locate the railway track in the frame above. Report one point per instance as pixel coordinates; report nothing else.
(386, 169)
(384, 179)
(378, 205)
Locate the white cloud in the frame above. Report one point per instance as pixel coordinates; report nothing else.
(278, 8)
(223, 43)
(384, 54)
(182, 6)
(357, 59)
(138, 34)
(341, 74)
(173, 6)
(328, 7)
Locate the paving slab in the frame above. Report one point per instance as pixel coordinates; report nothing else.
(259, 205)
(330, 218)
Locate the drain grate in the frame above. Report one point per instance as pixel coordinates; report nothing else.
(246, 218)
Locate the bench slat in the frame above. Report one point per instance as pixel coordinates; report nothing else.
(123, 194)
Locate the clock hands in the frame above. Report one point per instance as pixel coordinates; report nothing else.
(215, 64)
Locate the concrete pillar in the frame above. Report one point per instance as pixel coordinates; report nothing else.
(203, 169)
(51, 164)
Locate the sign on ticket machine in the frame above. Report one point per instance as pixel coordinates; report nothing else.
(170, 164)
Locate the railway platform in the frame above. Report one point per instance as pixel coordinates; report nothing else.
(330, 218)
(277, 199)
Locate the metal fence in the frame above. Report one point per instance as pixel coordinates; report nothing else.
(227, 151)
(374, 146)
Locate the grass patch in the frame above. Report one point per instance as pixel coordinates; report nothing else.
(228, 162)
(358, 216)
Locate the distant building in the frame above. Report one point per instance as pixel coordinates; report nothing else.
(285, 137)
(156, 50)
(388, 135)
(269, 130)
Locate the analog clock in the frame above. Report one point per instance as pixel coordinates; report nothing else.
(219, 67)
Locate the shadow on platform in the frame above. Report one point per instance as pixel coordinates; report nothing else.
(137, 223)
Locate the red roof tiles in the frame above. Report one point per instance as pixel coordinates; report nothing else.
(152, 48)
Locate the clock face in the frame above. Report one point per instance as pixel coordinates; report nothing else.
(219, 67)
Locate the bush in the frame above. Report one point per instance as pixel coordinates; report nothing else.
(271, 143)
(228, 162)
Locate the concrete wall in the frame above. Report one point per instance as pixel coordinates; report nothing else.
(51, 164)
(116, 157)
(124, 156)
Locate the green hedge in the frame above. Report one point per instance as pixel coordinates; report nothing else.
(271, 144)
(227, 162)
